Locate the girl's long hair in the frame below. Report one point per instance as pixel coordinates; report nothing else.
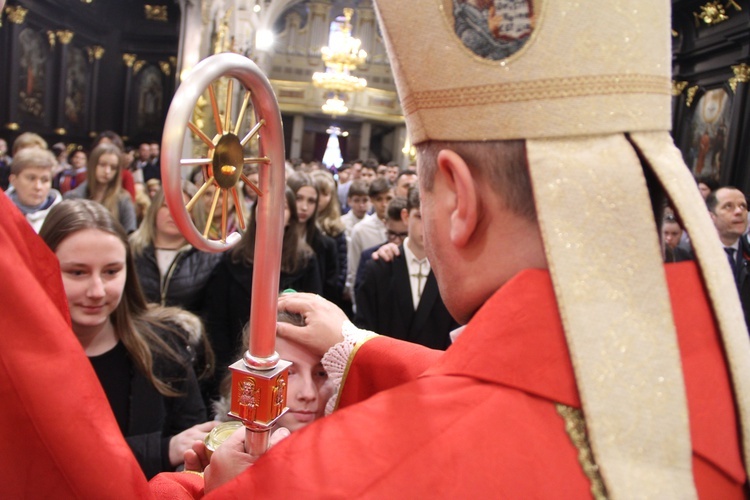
(134, 322)
(295, 252)
(146, 233)
(329, 219)
(113, 190)
(296, 182)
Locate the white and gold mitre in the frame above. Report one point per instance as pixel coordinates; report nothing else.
(586, 83)
(549, 68)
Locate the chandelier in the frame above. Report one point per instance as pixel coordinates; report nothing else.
(341, 56)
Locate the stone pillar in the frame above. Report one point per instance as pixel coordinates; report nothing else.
(364, 140)
(298, 129)
(399, 138)
(191, 36)
(319, 25)
(365, 29)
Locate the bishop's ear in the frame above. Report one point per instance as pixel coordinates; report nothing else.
(458, 191)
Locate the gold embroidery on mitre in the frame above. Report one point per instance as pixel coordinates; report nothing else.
(575, 426)
(553, 88)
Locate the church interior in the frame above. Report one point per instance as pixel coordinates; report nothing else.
(75, 68)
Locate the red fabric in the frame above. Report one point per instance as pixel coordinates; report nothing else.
(60, 439)
(128, 183)
(69, 182)
(375, 373)
(481, 421)
(176, 486)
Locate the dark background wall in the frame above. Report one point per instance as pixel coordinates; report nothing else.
(69, 88)
(710, 105)
(71, 91)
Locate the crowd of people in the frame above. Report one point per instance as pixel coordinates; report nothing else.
(585, 366)
(161, 320)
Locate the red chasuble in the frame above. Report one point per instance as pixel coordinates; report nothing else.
(481, 421)
(59, 436)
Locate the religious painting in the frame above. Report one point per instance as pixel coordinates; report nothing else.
(492, 29)
(150, 99)
(32, 77)
(76, 87)
(708, 133)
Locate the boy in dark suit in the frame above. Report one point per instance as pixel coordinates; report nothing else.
(400, 298)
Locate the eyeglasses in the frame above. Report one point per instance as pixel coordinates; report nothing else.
(393, 235)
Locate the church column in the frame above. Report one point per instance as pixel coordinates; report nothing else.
(319, 26)
(365, 29)
(399, 137)
(298, 129)
(191, 36)
(364, 140)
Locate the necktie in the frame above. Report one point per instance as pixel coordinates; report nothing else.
(730, 257)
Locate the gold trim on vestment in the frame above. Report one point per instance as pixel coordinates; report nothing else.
(349, 364)
(575, 426)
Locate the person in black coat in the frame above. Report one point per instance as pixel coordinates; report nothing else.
(306, 198)
(328, 219)
(229, 293)
(143, 355)
(171, 271)
(400, 298)
(728, 209)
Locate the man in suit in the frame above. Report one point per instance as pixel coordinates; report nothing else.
(400, 298)
(396, 231)
(152, 170)
(727, 207)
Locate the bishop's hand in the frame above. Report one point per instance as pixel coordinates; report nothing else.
(323, 322)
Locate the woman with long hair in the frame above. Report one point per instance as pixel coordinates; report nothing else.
(104, 185)
(171, 271)
(229, 292)
(306, 198)
(141, 354)
(329, 221)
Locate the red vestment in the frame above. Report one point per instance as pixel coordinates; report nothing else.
(59, 436)
(481, 420)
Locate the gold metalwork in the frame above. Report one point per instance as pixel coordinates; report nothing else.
(12, 126)
(714, 12)
(51, 38)
(138, 65)
(60, 131)
(65, 36)
(678, 86)
(340, 58)
(691, 95)
(165, 68)
(173, 61)
(575, 426)
(156, 12)
(221, 43)
(675, 34)
(249, 396)
(95, 52)
(732, 3)
(279, 390)
(16, 14)
(741, 75)
(129, 59)
(224, 158)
